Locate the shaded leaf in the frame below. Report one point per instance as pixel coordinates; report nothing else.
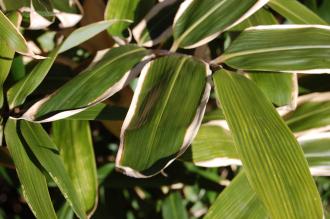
(198, 22)
(76, 149)
(173, 207)
(46, 153)
(164, 116)
(33, 181)
(285, 48)
(261, 136)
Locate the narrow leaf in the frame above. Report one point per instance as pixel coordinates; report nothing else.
(76, 149)
(285, 48)
(7, 54)
(90, 87)
(296, 12)
(198, 22)
(261, 136)
(19, 92)
(46, 153)
(33, 181)
(11, 35)
(164, 116)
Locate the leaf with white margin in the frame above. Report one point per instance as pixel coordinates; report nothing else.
(280, 48)
(311, 115)
(271, 156)
(157, 24)
(92, 86)
(19, 91)
(198, 22)
(165, 114)
(13, 37)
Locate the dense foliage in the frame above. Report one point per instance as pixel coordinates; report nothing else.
(164, 109)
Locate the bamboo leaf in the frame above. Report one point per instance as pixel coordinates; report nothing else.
(285, 48)
(46, 153)
(261, 136)
(155, 124)
(237, 201)
(33, 181)
(198, 22)
(7, 53)
(173, 207)
(311, 115)
(11, 35)
(23, 88)
(295, 12)
(117, 9)
(157, 24)
(90, 87)
(76, 149)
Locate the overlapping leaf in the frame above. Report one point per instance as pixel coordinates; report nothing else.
(261, 136)
(18, 93)
(33, 181)
(165, 114)
(90, 87)
(76, 149)
(286, 48)
(198, 22)
(46, 153)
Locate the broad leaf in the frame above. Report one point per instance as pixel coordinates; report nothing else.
(46, 153)
(261, 136)
(296, 12)
(33, 181)
(90, 87)
(198, 22)
(11, 35)
(7, 54)
(237, 201)
(157, 24)
(76, 149)
(173, 207)
(311, 115)
(164, 116)
(18, 93)
(285, 48)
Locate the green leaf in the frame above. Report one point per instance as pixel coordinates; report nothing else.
(261, 17)
(46, 153)
(311, 114)
(198, 22)
(271, 156)
(165, 114)
(23, 88)
(285, 48)
(296, 12)
(280, 89)
(237, 201)
(14, 39)
(101, 111)
(7, 54)
(90, 87)
(33, 181)
(157, 24)
(118, 9)
(212, 146)
(76, 149)
(173, 207)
